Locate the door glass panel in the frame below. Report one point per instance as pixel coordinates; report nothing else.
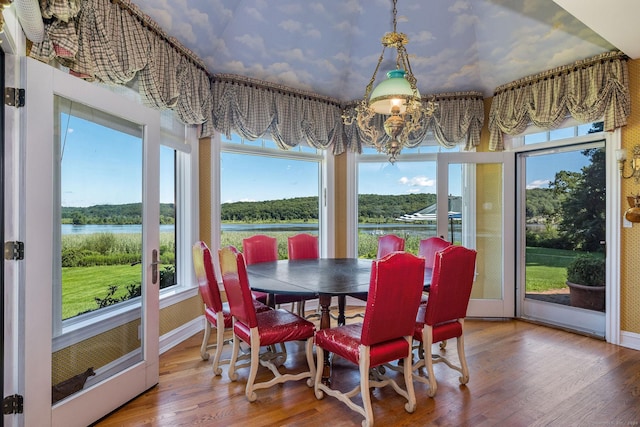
(168, 217)
(480, 188)
(98, 274)
(565, 227)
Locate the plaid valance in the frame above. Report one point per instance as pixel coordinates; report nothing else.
(112, 41)
(588, 90)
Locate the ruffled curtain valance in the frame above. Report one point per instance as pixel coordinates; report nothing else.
(587, 90)
(458, 118)
(253, 108)
(112, 41)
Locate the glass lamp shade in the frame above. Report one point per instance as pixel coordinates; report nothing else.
(395, 90)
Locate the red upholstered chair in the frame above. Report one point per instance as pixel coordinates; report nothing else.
(428, 248)
(442, 318)
(216, 312)
(259, 248)
(383, 336)
(389, 243)
(386, 244)
(262, 248)
(303, 246)
(258, 329)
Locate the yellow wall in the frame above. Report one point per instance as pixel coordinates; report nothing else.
(341, 234)
(204, 195)
(630, 237)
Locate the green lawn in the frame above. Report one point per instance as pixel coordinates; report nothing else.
(80, 285)
(546, 268)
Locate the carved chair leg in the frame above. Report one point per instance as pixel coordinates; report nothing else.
(205, 341)
(219, 345)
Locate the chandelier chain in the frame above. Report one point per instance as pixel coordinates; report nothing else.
(395, 12)
(367, 91)
(404, 113)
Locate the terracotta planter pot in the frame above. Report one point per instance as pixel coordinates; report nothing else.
(589, 297)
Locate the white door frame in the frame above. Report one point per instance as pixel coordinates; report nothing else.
(86, 406)
(606, 325)
(504, 307)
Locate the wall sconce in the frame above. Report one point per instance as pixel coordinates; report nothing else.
(633, 213)
(621, 156)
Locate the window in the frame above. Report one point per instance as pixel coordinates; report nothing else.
(101, 209)
(177, 217)
(266, 190)
(570, 129)
(398, 198)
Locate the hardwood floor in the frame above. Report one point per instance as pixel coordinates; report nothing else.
(521, 374)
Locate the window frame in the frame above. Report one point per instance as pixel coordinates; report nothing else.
(183, 139)
(368, 156)
(326, 198)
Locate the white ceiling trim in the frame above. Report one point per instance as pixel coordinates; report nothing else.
(614, 20)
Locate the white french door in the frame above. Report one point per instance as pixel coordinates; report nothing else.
(484, 220)
(66, 117)
(554, 307)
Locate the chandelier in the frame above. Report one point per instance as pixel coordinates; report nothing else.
(396, 97)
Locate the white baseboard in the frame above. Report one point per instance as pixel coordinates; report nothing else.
(175, 337)
(178, 335)
(630, 340)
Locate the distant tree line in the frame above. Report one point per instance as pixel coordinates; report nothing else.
(572, 208)
(285, 210)
(130, 213)
(377, 208)
(372, 208)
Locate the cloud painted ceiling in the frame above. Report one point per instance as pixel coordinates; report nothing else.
(331, 47)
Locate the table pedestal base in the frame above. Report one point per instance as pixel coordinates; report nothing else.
(325, 323)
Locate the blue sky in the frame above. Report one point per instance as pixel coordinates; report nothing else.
(262, 178)
(541, 169)
(95, 172)
(110, 173)
(257, 178)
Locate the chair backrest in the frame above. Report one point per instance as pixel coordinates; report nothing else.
(203, 266)
(450, 285)
(395, 289)
(303, 246)
(428, 248)
(236, 285)
(389, 243)
(260, 248)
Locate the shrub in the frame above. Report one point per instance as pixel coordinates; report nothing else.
(167, 276)
(102, 243)
(586, 270)
(72, 257)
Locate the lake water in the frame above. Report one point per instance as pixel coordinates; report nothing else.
(420, 230)
(108, 228)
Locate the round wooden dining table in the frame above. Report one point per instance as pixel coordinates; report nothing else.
(323, 277)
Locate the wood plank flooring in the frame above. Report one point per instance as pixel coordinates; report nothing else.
(521, 374)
